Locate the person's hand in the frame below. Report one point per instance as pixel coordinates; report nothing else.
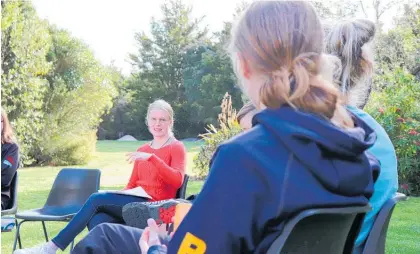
(150, 236)
(138, 156)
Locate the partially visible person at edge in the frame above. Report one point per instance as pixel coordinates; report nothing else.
(9, 160)
(281, 166)
(159, 168)
(245, 115)
(351, 41)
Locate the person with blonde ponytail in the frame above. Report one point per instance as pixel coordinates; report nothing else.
(305, 150)
(351, 42)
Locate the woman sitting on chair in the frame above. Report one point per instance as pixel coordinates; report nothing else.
(351, 41)
(9, 160)
(159, 168)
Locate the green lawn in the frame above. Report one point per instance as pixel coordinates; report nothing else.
(35, 183)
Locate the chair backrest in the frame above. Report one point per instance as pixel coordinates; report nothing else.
(375, 242)
(324, 230)
(72, 187)
(12, 209)
(183, 190)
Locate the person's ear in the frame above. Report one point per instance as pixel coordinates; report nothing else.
(244, 67)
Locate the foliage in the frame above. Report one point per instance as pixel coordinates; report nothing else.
(71, 150)
(24, 45)
(336, 10)
(400, 47)
(53, 88)
(228, 127)
(158, 64)
(81, 89)
(396, 108)
(208, 75)
(118, 118)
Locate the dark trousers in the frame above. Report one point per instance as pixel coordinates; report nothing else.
(99, 208)
(113, 238)
(4, 202)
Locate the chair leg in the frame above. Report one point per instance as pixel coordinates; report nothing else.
(45, 231)
(17, 236)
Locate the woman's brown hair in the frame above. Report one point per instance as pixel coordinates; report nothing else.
(6, 130)
(247, 108)
(283, 40)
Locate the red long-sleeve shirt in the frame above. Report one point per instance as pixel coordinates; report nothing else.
(162, 174)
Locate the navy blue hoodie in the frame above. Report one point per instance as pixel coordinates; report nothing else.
(9, 165)
(289, 161)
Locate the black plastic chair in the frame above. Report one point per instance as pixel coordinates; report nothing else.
(12, 209)
(183, 190)
(375, 242)
(323, 230)
(70, 191)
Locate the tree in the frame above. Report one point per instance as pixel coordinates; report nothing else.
(158, 63)
(53, 88)
(80, 90)
(400, 46)
(115, 123)
(334, 10)
(379, 7)
(25, 43)
(411, 21)
(208, 75)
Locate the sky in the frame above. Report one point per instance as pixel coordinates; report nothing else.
(108, 26)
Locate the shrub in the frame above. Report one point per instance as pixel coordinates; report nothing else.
(69, 150)
(397, 108)
(228, 127)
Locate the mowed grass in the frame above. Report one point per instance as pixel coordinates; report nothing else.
(35, 184)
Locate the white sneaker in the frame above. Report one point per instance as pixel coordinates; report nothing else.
(44, 248)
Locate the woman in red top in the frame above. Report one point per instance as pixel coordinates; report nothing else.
(159, 168)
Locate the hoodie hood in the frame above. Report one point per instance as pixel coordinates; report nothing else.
(336, 157)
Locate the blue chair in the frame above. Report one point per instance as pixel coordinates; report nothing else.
(71, 189)
(321, 230)
(375, 242)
